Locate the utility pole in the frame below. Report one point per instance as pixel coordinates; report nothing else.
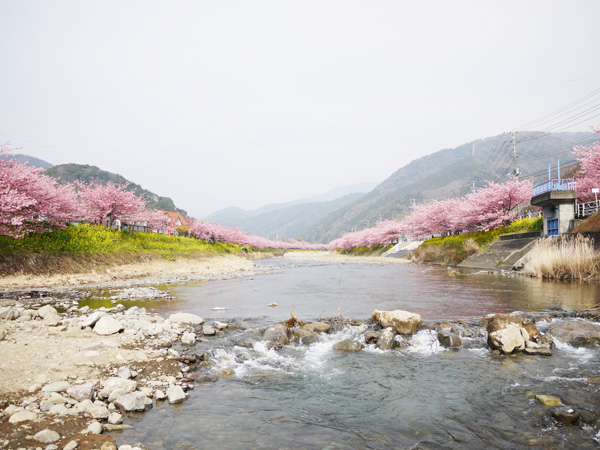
(516, 172)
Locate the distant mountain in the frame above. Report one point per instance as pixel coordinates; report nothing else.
(451, 173)
(290, 219)
(69, 173)
(30, 160)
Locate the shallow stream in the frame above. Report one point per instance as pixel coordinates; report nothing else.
(312, 397)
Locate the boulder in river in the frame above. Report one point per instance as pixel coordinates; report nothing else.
(578, 333)
(509, 334)
(403, 322)
(305, 337)
(448, 339)
(371, 336)
(277, 335)
(386, 339)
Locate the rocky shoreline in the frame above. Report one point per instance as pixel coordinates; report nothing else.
(69, 374)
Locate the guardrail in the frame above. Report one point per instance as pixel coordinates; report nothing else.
(586, 209)
(567, 184)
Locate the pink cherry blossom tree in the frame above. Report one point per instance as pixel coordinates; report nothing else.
(105, 203)
(489, 207)
(588, 177)
(155, 220)
(29, 200)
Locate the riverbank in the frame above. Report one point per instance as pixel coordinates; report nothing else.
(54, 365)
(139, 273)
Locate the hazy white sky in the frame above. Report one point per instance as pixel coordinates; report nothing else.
(243, 103)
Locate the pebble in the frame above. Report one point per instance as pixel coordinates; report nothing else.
(71, 445)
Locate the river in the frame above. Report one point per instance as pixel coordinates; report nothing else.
(424, 397)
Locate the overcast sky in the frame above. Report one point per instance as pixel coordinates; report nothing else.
(243, 103)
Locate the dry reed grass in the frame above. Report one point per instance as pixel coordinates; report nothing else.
(471, 246)
(563, 258)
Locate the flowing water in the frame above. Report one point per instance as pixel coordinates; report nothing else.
(312, 397)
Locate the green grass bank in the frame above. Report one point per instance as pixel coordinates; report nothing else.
(453, 250)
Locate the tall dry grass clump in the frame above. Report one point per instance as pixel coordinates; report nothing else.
(563, 258)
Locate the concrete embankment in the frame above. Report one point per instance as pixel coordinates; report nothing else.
(502, 254)
(401, 249)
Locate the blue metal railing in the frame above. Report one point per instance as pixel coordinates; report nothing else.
(567, 184)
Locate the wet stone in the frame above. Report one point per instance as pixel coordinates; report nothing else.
(448, 339)
(565, 415)
(348, 345)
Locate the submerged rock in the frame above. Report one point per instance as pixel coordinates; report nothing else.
(565, 415)
(403, 322)
(577, 333)
(348, 345)
(548, 400)
(316, 327)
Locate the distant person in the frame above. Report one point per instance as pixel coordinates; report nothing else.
(245, 249)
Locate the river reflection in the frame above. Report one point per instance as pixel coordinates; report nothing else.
(313, 290)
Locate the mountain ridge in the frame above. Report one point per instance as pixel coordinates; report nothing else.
(450, 172)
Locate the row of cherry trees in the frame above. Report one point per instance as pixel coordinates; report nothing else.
(33, 202)
(212, 232)
(488, 207)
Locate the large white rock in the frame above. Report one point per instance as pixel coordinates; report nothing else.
(98, 411)
(91, 320)
(95, 427)
(113, 384)
(57, 386)
(175, 394)
(81, 392)
(134, 401)
(52, 320)
(22, 416)
(47, 436)
(107, 325)
(46, 310)
(402, 322)
(188, 318)
(188, 338)
(509, 339)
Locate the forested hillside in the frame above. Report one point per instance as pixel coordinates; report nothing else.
(68, 173)
(452, 173)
